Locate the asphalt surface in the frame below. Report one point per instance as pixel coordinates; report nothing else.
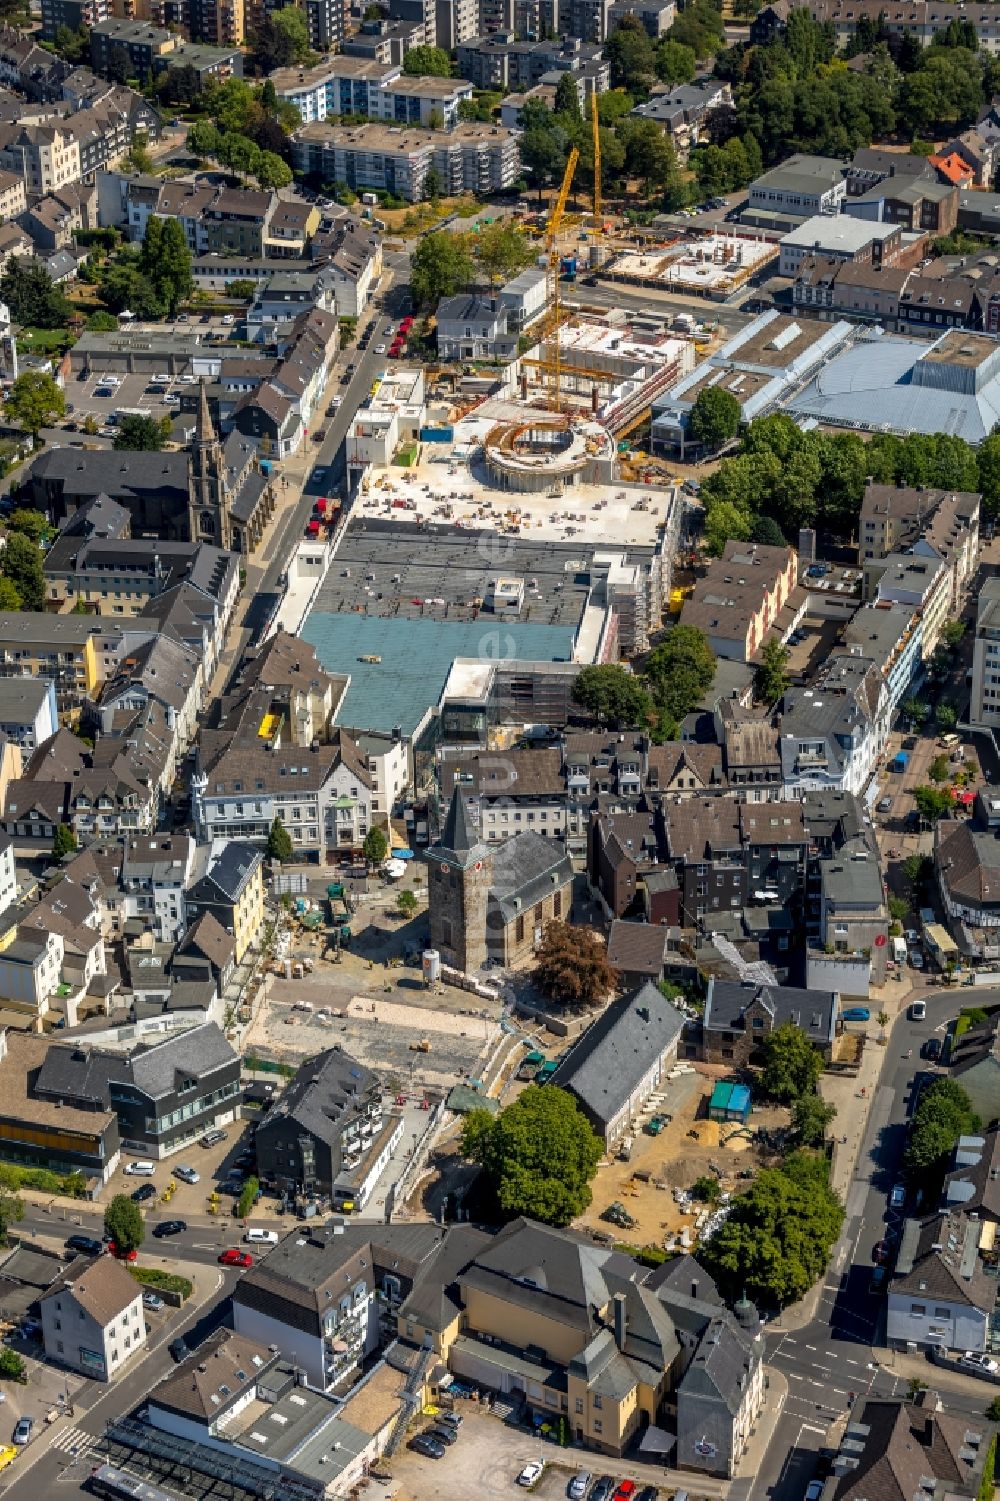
(832, 1360)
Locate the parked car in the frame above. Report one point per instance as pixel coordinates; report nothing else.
(979, 1363)
(211, 1137)
(444, 1434)
(879, 1274)
(626, 1490)
(881, 1252)
(178, 1350)
(423, 1443)
(532, 1472)
(813, 1490)
(22, 1430)
(932, 1049)
(856, 1014)
(579, 1486)
(898, 1196)
(122, 1255)
(147, 1191)
(603, 1488)
(235, 1257)
(449, 1419)
(169, 1227)
(85, 1245)
(153, 1301)
(140, 1170)
(187, 1175)
(648, 1493)
(884, 805)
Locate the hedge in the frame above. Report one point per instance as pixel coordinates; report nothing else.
(166, 1282)
(13, 1177)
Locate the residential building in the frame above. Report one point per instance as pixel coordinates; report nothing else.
(227, 881)
(352, 257)
(28, 713)
(339, 85)
(491, 902)
(35, 1132)
(972, 1186)
(686, 110)
(59, 649)
(940, 1296)
(841, 237)
(739, 1017)
(975, 1065)
(220, 23)
(621, 1059)
(890, 1445)
(509, 790)
(75, 15)
(45, 157)
(984, 703)
(833, 733)
(470, 327)
(891, 637)
(92, 1318)
(165, 1094)
(799, 188)
(145, 48)
(13, 195)
(324, 1131)
(704, 842)
(918, 579)
(657, 16)
(471, 158)
(854, 915)
(623, 850)
(154, 875)
(739, 599)
(499, 61)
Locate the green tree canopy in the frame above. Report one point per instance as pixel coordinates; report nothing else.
(678, 671)
(943, 1114)
(34, 401)
(715, 417)
(778, 1237)
(441, 266)
(792, 1064)
(502, 250)
(933, 802)
(123, 1224)
(810, 1117)
(21, 563)
(772, 673)
(615, 696)
(376, 845)
(63, 841)
(427, 60)
(30, 523)
(539, 1155)
(406, 902)
(139, 434)
(279, 842)
(572, 966)
(633, 61)
(32, 296)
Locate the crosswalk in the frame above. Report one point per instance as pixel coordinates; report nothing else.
(74, 1441)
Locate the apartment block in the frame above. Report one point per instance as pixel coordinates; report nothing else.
(471, 159)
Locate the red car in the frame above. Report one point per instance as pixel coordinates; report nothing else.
(625, 1491)
(122, 1255)
(233, 1257)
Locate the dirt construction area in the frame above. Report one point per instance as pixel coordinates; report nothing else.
(690, 1146)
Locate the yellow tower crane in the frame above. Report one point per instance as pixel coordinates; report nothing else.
(552, 247)
(595, 130)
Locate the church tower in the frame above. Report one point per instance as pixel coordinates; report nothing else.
(459, 876)
(209, 510)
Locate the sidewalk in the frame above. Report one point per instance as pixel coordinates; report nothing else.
(908, 1368)
(767, 1424)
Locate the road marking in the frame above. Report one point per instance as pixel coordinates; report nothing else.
(74, 1441)
(810, 1347)
(793, 1376)
(849, 1362)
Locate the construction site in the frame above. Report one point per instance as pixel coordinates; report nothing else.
(713, 266)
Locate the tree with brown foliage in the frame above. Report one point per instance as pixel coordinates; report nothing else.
(572, 966)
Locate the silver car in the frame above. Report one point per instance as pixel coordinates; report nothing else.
(579, 1486)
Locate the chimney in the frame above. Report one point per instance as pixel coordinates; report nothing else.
(621, 1320)
(694, 1287)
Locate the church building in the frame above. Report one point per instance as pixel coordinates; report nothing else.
(489, 903)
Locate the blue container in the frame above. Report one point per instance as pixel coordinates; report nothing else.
(437, 435)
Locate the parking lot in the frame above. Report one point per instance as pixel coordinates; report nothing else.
(495, 1453)
(105, 398)
(211, 1163)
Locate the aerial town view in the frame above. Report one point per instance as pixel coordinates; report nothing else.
(499, 750)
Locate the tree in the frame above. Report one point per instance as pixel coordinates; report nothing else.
(29, 523)
(9, 597)
(406, 903)
(538, 1156)
(101, 322)
(34, 401)
(502, 250)
(567, 100)
(777, 1239)
(993, 1411)
(249, 1194)
(32, 296)
(792, 1064)
(899, 908)
(810, 1117)
(943, 1114)
(282, 39)
(613, 695)
(279, 842)
(273, 171)
(726, 522)
(441, 266)
(139, 156)
(139, 434)
(11, 1210)
(707, 1189)
(376, 846)
(629, 51)
(715, 417)
(951, 633)
(679, 671)
(675, 63)
(572, 966)
(767, 531)
(432, 185)
(914, 709)
(946, 717)
(932, 802)
(543, 153)
(427, 60)
(12, 1367)
(772, 675)
(21, 563)
(123, 1224)
(939, 769)
(203, 138)
(916, 870)
(63, 841)
(165, 261)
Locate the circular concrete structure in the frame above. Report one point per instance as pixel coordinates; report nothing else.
(547, 450)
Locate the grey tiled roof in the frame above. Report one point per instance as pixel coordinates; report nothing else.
(616, 1051)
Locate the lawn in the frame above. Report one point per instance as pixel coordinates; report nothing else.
(42, 340)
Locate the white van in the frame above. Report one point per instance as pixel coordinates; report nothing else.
(141, 1169)
(262, 1237)
(899, 950)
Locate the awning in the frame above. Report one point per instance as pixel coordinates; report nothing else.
(657, 1441)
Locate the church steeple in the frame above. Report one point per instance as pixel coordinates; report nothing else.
(205, 430)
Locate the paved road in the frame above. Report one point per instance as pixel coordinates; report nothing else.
(832, 1358)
